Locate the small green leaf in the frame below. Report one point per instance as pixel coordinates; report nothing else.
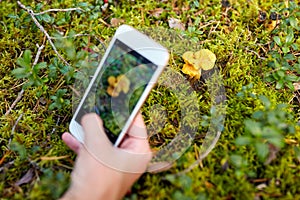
(243, 140)
(258, 114)
(290, 36)
(290, 86)
(297, 67)
(285, 65)
(61, 21)
(289, 57)
(171, 178)
(292, 77)
(39, 17)
(52, 71)
(277, 40)
(253, 127)
(265, 101)
(27, 57)
(276, 63)
(285, 49)
(68, 16)
(39, 6)
(293, 21)
(295, 46)
(13, 16)
(297, 152)
(269, 77)
(41, 65)
(21, 62)
(267, 132)
(279, 84)
(58, 99)
(237, 160)
(46, 18)
(262, 150)
(291, 129)
(19, 148)
(65, 69)
(277, 141)
(52, 106)
(70, 50)
(20, 73)
(281, 73)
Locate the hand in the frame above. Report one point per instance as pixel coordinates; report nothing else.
(103, 171)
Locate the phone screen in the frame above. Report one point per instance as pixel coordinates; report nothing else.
(117, 88)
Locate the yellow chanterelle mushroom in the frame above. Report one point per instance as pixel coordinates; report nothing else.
(195, 62)
(117, 85)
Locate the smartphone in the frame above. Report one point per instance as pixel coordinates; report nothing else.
(125, 76)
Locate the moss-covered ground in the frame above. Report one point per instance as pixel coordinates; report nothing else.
(257, 48)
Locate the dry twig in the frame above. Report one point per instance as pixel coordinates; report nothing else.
(260, 57)
(76, 35)
(32, 14)
(38, 53)
(19, 97)
(14, 128)
(54, 128)
(57, 10)
(213, 29)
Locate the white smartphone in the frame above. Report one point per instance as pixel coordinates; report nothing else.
(125, 76)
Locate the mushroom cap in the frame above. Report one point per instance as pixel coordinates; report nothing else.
(117, 84)
(123, 83)
(187, 56)
(112, 81)
(112, 92)
(191, 71)
(205, 59)
(190, 58)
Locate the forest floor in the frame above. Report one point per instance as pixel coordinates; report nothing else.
(251, 96)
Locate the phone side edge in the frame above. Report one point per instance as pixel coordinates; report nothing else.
(143, 98)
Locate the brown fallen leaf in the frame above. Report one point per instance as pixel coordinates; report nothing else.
(114, 22)
(296, 86)
(26, 178)
(42, 100)
(273, 150)
(176, 24)
(156, 12)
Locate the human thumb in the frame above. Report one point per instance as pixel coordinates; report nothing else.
(98, 145)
